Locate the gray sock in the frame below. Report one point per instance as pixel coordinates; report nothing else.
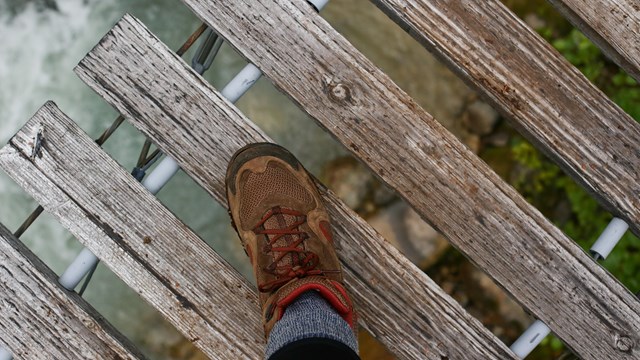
(310, 316)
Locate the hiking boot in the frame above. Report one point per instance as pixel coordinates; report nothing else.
(277, 211)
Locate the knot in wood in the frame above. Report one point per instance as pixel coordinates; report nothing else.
(339, 93)
(91, 325)
(624, 343)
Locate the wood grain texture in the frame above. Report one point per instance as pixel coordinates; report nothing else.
(39, 319)
(136, 237)
(450, 187)
(545, 97)
(613, 25)
(190, 121)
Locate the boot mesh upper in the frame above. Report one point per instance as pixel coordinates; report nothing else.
(274, 180)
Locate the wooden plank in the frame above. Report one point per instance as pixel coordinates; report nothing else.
(190, 121)
(449, 186)
(613, 25)
(39, 319)
(135, 236)
(545, 97)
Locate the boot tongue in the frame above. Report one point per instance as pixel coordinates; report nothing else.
(279, 221)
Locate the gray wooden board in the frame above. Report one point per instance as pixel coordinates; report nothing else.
(545, 97)
(449, 186)
(39, 319)
(135, 236)
(190, 121)
(613, 25)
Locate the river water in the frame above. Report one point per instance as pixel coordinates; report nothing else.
(42, 42)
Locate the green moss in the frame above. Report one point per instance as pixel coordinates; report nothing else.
(582, 53)
(545, 186)
(590, 60)
(625, 92)
(543, 9)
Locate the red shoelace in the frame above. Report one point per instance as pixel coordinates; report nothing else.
(303, 262)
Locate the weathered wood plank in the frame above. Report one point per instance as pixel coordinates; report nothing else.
(190, 121)
(135, 236)
(39, 319)
(542, 94)
(613, 25)
(448, 185)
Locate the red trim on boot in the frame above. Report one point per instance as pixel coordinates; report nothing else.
(345, 312)
(349, 317)
(325, 227)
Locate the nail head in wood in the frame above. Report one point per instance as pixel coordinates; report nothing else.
(624, 343)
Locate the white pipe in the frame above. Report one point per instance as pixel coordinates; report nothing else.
(78, 269)
(250, 73)
(5, 354)
(245, 79)
(609, 238)
(241, 83)
(530, 339)
(83, 263)
(161, 175)
(318, 4)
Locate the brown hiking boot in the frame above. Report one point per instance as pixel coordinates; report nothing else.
(284, 228)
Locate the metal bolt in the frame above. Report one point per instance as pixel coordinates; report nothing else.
(340, 92)
(624, 343)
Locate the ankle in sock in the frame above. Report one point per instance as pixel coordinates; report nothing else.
(310, 316)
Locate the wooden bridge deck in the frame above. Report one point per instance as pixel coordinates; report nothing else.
(543, 95)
